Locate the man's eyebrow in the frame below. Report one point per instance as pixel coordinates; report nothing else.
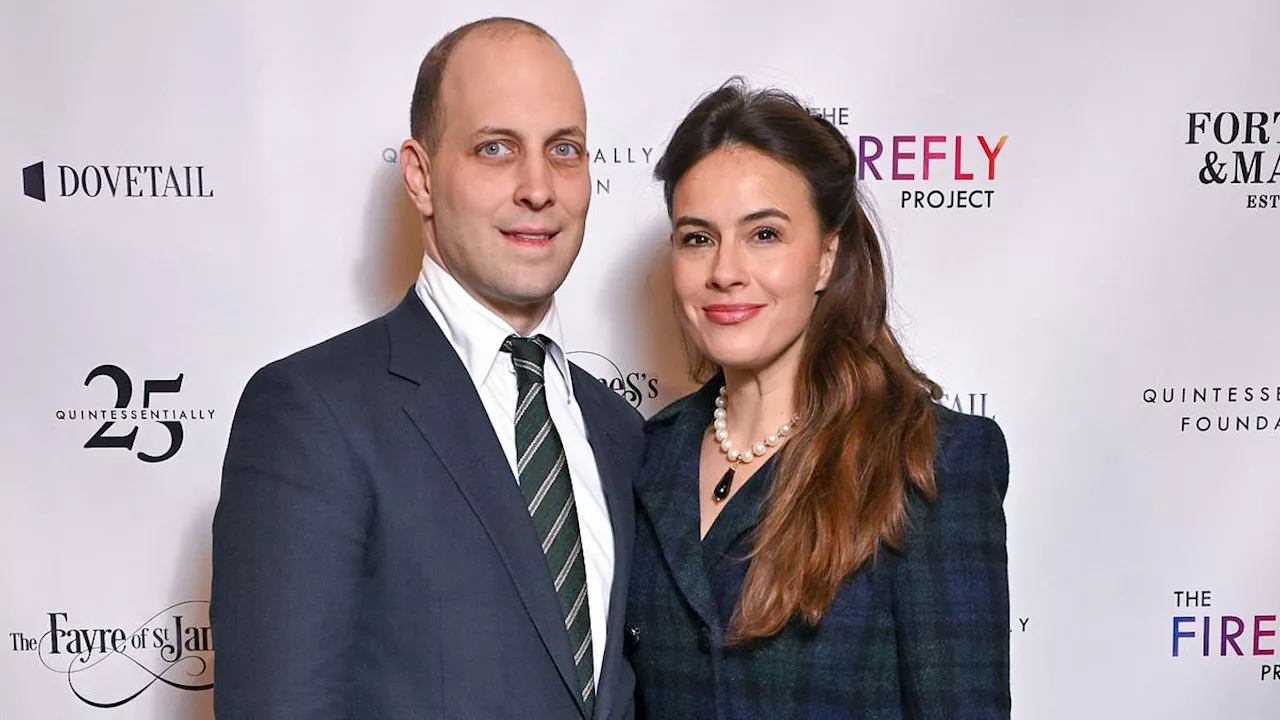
(567, 131)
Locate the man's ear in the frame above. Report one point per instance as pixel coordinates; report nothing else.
(415, 169)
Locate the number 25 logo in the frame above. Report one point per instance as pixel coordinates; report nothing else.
(124, 393)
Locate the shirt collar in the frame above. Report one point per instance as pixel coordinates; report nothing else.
(475, 331)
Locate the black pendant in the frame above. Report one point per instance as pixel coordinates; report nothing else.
(721, 490)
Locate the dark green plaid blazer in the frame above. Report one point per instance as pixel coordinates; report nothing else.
(921, 635)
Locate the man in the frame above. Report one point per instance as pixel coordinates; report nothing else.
(430, 516)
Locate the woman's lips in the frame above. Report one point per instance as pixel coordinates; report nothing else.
(731, 313)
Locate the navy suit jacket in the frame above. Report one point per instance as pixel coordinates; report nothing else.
(372, 555)
(922, 634)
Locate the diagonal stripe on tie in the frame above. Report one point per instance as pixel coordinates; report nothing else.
(524, 405)
(574, 554)
(526, 365)
(530, 452)
(543, 473)
(577, 605)
(550, 539)
(583, 648)
(546, 485)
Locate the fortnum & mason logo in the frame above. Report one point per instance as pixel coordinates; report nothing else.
(1239, 153)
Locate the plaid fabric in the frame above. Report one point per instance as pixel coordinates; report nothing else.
(923, 635)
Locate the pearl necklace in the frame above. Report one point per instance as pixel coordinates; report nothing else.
(721, 425)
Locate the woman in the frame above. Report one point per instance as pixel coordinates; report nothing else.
(816, 537)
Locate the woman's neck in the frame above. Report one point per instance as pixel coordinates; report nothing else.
(758, 402)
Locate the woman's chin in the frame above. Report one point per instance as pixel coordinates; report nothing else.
(735, 363)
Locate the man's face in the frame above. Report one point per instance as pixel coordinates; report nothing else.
(508, 183)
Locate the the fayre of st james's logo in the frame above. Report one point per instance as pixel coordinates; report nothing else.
(45, 181)
(143, 418)
(635, 386)
(1239, 149)
(928, 171)
(1216, 409)
(109, 665)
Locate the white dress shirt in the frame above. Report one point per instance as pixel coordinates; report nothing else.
(476, 334)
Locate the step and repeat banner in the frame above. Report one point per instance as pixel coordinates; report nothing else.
(1081, 202)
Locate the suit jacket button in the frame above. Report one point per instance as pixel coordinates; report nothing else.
(630, 638)
(704, 639)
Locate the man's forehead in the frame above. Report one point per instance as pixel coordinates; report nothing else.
(518, 83)
(514, 52)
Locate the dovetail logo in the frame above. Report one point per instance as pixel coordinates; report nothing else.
(118, 181)
(33, 181)
(968, 403)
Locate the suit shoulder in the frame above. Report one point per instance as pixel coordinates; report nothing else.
(970, 446)
(335, 360)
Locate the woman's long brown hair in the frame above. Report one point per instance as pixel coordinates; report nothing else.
(841, 485)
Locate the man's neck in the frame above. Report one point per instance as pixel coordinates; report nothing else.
(522, 318)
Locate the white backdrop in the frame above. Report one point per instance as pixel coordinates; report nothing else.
(1108, 301)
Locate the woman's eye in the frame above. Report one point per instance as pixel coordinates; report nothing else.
(767, 234)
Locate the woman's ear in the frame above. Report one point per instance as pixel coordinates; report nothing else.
(827, 262)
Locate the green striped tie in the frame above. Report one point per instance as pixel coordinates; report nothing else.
(544, 479)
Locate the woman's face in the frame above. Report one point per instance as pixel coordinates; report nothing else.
(748, 256)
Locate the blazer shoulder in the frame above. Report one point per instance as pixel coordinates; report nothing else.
(362, 343)
(667, 416)
(339, 367)
(970, 446)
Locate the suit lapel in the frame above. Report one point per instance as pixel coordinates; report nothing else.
(667, 488)
(603, 436)
(448, 413)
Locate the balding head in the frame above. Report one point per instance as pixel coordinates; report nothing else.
(424, 111)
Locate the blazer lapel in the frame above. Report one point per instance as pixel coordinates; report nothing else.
(667, 488)
(451, 418)
(740, 516)
(615, 478)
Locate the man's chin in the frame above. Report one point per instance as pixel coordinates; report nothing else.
(531, 295)
(523, 299)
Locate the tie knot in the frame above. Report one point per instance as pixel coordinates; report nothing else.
(531, 350)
